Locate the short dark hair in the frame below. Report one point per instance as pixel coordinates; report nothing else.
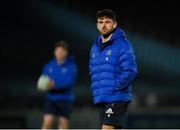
(107, 13)
(62, 44)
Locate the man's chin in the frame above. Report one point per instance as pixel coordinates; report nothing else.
(104, 33)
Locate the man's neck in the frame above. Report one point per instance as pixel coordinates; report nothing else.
(104, 40)
(59, 62)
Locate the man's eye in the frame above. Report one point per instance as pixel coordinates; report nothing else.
(100, 22)
(108, 22)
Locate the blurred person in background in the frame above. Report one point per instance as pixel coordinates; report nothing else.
(59, 97)
(112, 69)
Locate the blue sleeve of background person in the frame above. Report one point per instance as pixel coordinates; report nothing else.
(72, 78)
(69, 80)
(45, 70)
(127, 62)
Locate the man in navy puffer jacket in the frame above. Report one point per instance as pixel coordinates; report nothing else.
(112, 69)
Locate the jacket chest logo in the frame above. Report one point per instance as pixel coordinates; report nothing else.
(50, 70)
(64, 70)
(108, 53)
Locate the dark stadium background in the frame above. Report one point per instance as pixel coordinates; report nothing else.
(29, 29)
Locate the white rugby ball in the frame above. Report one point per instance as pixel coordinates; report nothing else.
(43, 82)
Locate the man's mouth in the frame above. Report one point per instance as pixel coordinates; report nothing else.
(104, 29)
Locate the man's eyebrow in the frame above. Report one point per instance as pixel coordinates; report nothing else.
(102, 19)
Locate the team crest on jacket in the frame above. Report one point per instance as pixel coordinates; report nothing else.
(50, 70)
(108, 53)
(64, 70)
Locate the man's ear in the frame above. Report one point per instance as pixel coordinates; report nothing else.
(115, 25)
(97, 26)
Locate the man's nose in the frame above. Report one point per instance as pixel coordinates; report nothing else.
(104, 24)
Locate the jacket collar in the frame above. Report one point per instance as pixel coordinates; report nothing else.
(118, 33)
(67, 60)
